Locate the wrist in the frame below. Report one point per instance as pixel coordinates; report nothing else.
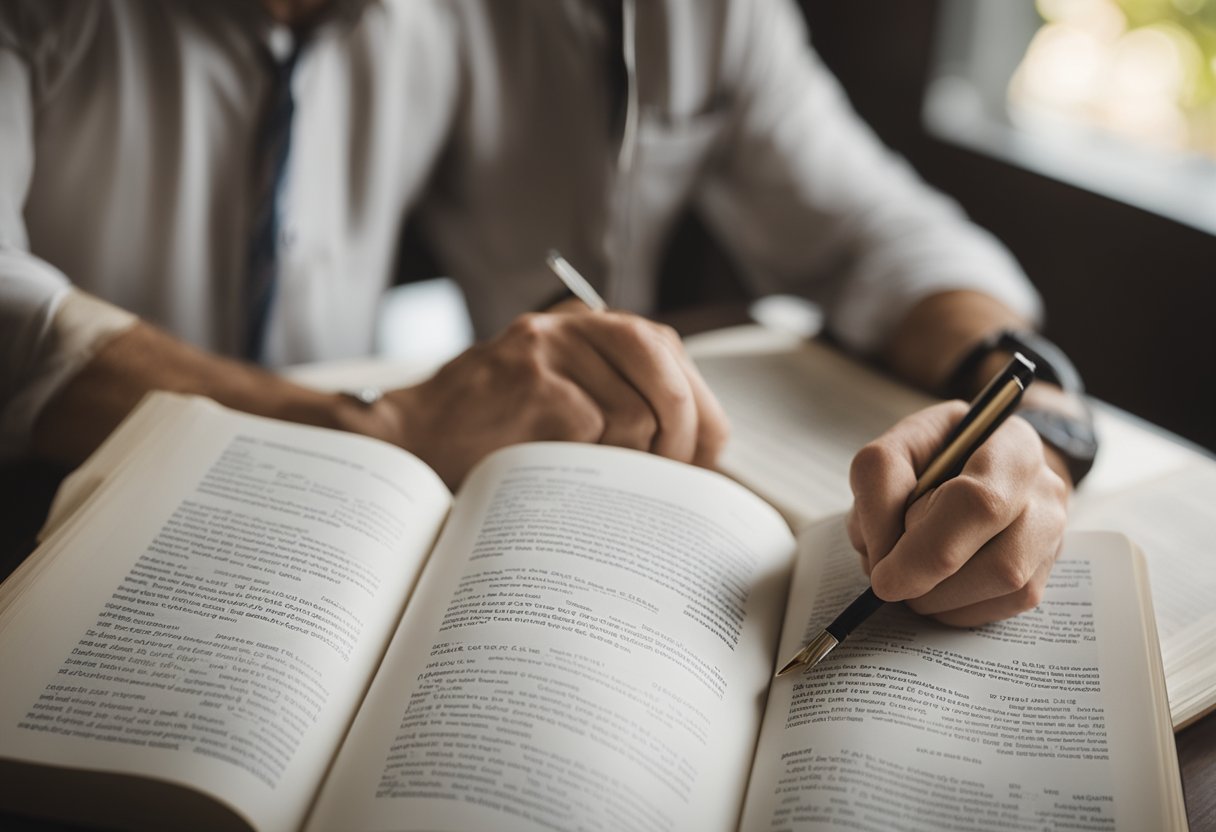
(986, 354)
(370, 412)
(936, 334)
(1055, 406)
(1057, 463)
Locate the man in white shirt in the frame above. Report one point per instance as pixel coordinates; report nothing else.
(590, 126)
(128, 135)
(509, 128)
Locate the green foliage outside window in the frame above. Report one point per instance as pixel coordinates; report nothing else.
(1145, 69)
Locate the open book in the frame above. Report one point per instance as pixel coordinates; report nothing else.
(240, 623)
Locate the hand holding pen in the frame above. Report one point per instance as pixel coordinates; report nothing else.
(668, 410)
(981, 546)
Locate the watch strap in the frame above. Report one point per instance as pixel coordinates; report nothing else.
(1050, 362)
(1072, 436)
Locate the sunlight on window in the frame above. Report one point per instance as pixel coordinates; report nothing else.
(1141, 69)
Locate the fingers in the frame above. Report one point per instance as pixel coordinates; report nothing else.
(962, 514)
(628, 419)
(645, 390)
(522, 387)
(995, 609)
(977, 548)
(1012, 568)
(605, 377)
(690, 425)
(852, 526)
(642, 357)
(884, 472)
(713, 428)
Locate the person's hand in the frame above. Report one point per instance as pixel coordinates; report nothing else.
(977, 548)
(607, 377)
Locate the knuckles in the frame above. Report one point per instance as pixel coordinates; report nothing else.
(587, 426)
(978, 500)
(1029, 596)
(1012, 575)
(1022, 432)
(873, 463)
(521, 353)
(638, 334)
(633, 423)
(668, 335)
(676, 398)
(568, 419)
(527, 372)
(943, 561)
(521, 373)
(1027, 446)
(529, 329)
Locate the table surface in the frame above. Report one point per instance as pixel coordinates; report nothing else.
(26, 490)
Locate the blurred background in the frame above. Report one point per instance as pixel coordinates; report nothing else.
(1082, 133)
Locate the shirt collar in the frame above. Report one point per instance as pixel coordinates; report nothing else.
(341, 13)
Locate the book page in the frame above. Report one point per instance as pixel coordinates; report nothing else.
(798, 416)
(588, 648)
(147, 431)
(148, 424)
(801, 410)
(1049, 719)
(1170, 518)
(216, 620)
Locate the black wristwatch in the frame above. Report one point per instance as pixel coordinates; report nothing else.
(1072, 436)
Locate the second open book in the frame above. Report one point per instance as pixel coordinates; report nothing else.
(244, 623)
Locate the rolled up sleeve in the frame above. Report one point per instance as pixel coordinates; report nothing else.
(811, 202)
(48, 331)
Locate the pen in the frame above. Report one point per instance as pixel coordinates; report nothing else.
(994, 403)
(574, 281)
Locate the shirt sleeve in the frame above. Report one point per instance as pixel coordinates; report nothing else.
(811, 202)
(48, 332)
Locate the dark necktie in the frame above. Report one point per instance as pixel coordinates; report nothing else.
(618, 75)
(271, 149)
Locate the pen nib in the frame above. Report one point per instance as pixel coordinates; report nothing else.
(812, 654)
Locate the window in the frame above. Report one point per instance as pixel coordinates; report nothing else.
(1118, 96)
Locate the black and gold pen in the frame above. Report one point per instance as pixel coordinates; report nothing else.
(994, 403)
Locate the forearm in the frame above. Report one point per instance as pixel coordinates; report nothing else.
(936, 333)
(141, 359)
(607, 377)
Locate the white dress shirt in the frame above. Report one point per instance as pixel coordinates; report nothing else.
(736, 118)
(127, 127)
(126, 151)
